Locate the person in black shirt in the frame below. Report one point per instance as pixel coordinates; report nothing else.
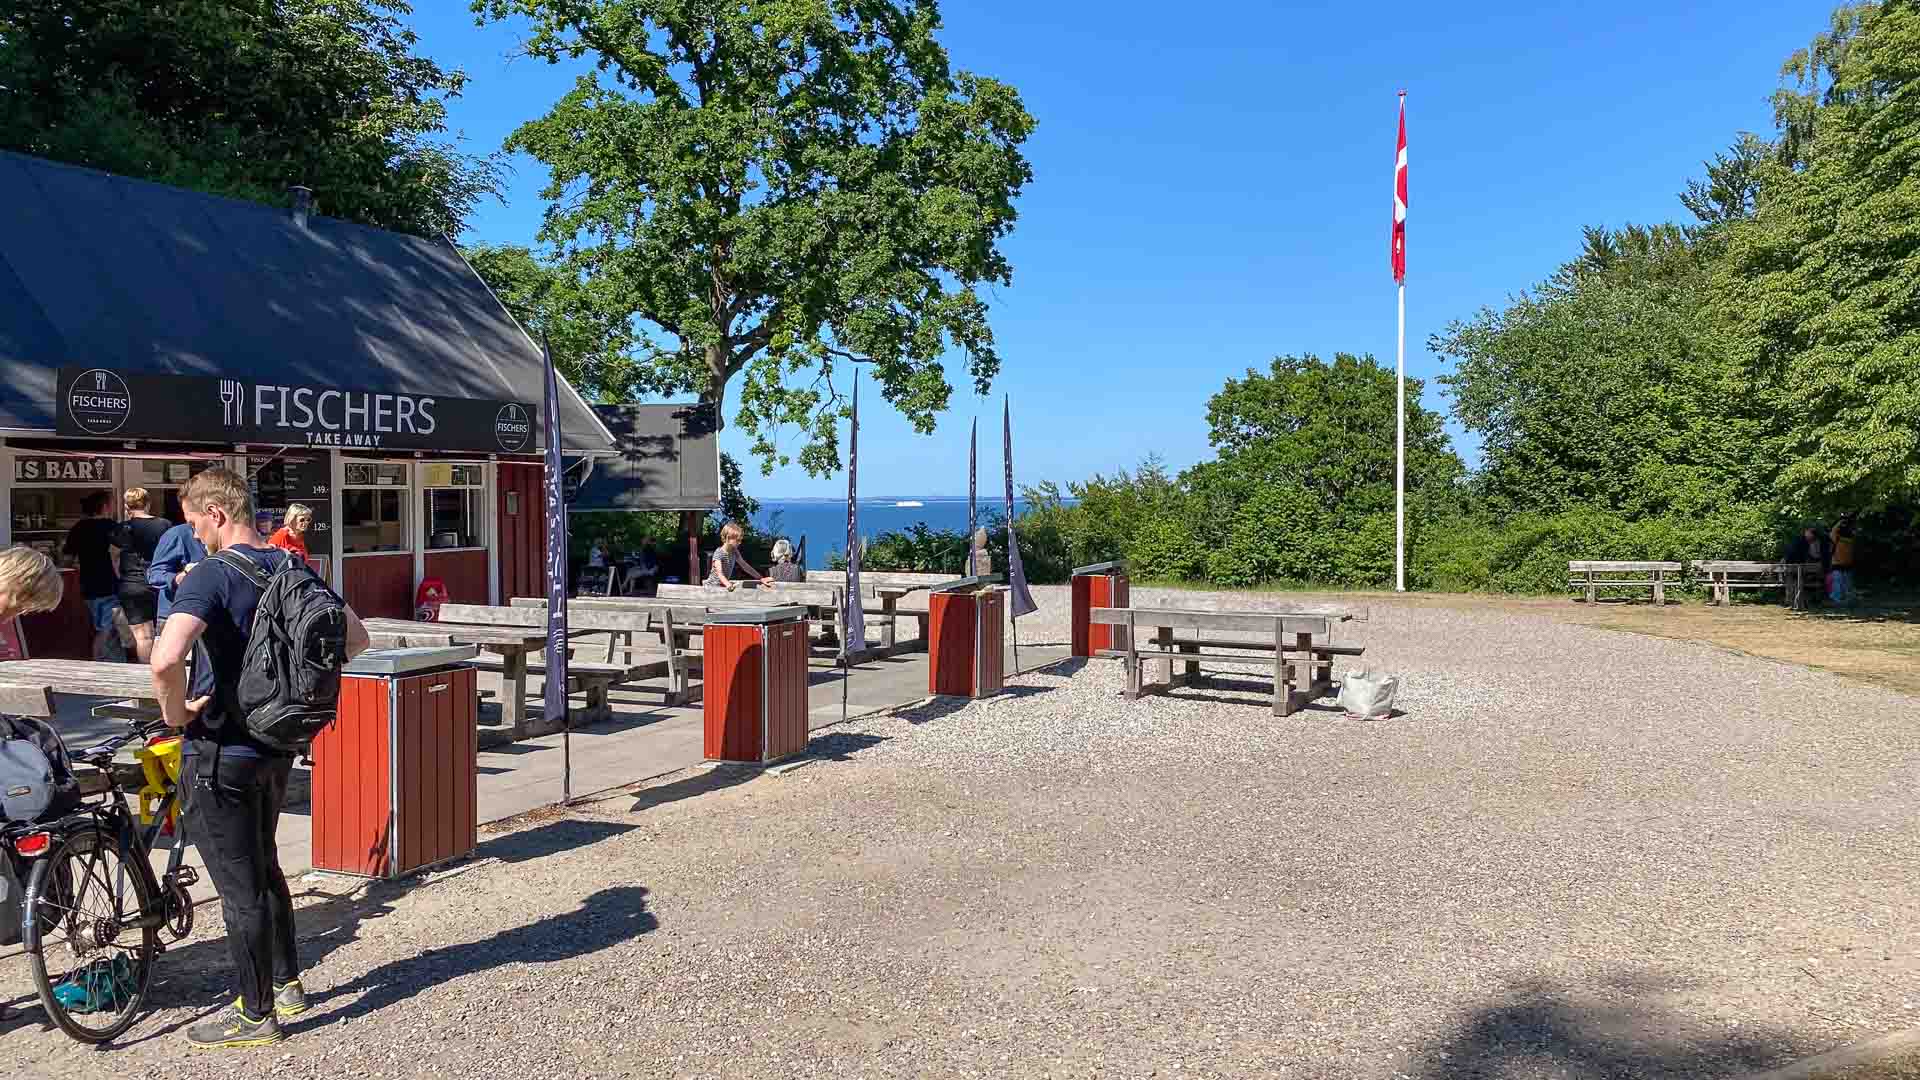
(235, 786)
(136, 538)
(90, 544)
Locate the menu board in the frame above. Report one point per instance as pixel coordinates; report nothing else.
(283, 481)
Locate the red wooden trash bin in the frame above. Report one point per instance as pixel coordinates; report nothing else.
(967, 630)
(1100, 585)
(755, 692)
(394, 776)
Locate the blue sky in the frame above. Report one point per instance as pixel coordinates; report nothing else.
(1214, 188)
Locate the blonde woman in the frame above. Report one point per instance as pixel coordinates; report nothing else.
(29, 582)
(727, 566)
(292, 536)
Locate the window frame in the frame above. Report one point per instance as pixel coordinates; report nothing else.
(408, 528)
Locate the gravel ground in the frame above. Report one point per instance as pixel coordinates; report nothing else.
(1577, 854)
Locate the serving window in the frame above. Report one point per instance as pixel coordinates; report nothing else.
(373, 508)
(452, 499)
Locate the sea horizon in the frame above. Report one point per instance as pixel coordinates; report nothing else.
(822, 521)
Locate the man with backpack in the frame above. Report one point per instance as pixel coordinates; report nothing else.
(274, 638)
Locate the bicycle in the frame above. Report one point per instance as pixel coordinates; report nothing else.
(91, 898)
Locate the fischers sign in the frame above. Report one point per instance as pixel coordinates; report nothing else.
(192, 408)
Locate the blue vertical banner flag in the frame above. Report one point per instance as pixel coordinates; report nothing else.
(556, 676)
(973, 473)
(1020, 600)
(856, 619)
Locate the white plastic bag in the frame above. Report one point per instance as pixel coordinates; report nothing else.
(1368, 695)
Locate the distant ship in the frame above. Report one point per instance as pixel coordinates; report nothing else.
(910, 502)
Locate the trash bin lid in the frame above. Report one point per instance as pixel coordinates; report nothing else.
(784, 613)
(967, 584)
(1117, 566)
(402, 661)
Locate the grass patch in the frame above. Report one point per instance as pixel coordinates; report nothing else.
(1905, 1067)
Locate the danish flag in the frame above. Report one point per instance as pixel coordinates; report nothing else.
(1400, 199)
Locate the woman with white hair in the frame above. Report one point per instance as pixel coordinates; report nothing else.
(784, 568)
(29, 582)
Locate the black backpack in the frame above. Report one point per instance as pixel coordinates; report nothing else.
(289, 689)
(36, 776)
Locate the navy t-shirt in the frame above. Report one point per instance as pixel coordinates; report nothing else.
(223, 598)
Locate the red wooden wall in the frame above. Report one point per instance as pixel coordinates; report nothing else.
(380, 586)
(787, 690)
(438, 816)
(732, 692)
(351, 804)
(358, 825)
(1098, 590)
(950, 644)
(66, 632)
(522, 533)
(465, 573)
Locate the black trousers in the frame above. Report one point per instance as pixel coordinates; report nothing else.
(231, 816)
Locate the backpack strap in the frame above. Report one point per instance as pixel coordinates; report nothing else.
(245, 566)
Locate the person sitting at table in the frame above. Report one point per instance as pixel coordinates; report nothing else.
(292, 536)
(784, 568)
(727, 564)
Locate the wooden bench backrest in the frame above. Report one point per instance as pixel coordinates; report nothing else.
(789, 592)
(1256, 622)
(869, 579)
(1736, 566)
(578, 617)
(1602, 566)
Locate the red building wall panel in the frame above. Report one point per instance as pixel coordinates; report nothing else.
(950, 648)
(380, 586)
(351, 782)
(787, 690)
(1098, 590)
(992, 662)
(733, 692)
(66, 632)
(465, 573)
(521, 521)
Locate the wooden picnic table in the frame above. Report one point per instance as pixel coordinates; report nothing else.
(511, 644)
(1724, 575)
(1302, 665)
(87, 678)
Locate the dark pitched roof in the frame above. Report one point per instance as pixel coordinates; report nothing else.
(669, 459)
(102, 270)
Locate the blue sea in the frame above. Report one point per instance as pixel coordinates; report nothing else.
(824, 521)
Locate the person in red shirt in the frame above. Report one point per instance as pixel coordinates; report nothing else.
(293, 535)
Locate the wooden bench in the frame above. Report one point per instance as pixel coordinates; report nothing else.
(597, 677)
(1595, 575)
(826, 604)
(1301, 666)
(1724, 575)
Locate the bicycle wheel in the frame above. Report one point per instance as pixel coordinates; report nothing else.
(91, 964)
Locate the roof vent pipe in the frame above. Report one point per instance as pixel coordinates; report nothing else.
(302, 203)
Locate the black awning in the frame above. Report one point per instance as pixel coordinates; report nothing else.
(668, 458)
(100, 271)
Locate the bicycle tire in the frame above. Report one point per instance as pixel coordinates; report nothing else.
(59, 892)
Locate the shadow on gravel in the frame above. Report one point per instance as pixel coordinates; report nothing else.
(932, 709)
(1066, 667)
(605, 919)
(719, 778)
(1544, 1030)
(841, 745)
(564, 834)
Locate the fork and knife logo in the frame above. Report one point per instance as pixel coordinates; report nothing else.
(233, 402)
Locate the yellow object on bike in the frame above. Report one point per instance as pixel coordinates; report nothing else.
(160, 762)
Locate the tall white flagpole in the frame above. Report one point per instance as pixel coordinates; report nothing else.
(1400, 453)
(1400, 356)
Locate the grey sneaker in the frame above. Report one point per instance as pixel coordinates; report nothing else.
(289, 1000)
(231, 1028)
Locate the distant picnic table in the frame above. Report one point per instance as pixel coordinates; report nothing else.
(1724, 575)
(1597, 574)
(1299, 647)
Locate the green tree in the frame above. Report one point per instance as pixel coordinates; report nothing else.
(244, 98)
(1823, 283)
(592, 340)
(780, 186)
(1612, 387)
(1303, 488)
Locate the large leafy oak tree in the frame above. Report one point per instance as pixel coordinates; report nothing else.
(773, 190)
